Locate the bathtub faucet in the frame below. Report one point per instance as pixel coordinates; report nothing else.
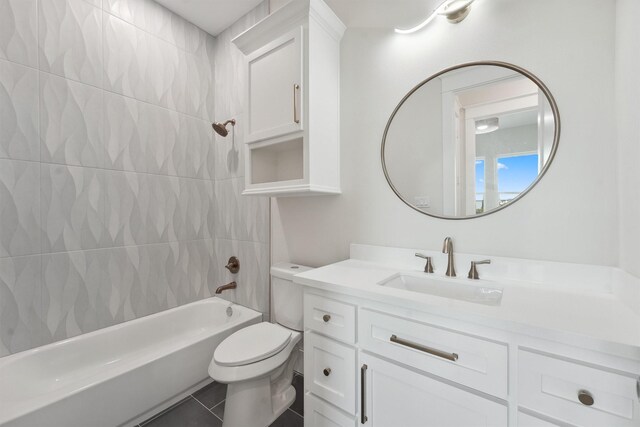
(231, 285)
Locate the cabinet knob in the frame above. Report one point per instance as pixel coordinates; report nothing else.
(585, 398)
(326, 372)
(326, 318)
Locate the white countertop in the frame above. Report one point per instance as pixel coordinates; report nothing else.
(553, 313)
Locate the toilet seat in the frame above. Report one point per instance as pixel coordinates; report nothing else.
(252, 344)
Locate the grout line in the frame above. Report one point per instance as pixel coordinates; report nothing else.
(140, 245)
(184, 177)
(43, 327)
(221, 403)
(229, 239)
(205, 407)
(135, 25)
(301, 416)
(165, 411)
(206, 120)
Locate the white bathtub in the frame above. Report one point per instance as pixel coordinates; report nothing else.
(112, 376)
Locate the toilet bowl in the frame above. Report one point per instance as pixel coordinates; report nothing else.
(257, 362)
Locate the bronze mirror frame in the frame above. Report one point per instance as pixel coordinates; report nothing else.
(554, 148)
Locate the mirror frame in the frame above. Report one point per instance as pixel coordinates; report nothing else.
(554, 148)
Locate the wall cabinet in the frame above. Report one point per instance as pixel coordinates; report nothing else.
(274, 83)
(375, 365)
(292, 101)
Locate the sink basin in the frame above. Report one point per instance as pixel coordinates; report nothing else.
(455, 288)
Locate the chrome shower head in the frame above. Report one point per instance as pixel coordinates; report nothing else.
(221, 128)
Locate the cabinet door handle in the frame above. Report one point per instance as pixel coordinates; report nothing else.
(296, 87)
(363, 384)
(326, 372)
(435, 352)
(326, 318)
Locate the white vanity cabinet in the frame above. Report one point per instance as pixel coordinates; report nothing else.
(372, 364)
(397, 396)
(292, 100)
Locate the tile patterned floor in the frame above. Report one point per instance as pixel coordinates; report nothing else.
(205, 408)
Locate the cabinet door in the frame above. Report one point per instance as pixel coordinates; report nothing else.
(396, 396)
(318, 413)
(329, 371)
(274, 92)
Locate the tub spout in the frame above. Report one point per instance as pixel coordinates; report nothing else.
(231, 285)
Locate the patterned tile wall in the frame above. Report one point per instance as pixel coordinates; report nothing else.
(116, 200)
(243, 229)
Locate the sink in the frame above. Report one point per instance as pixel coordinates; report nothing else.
(475, 291)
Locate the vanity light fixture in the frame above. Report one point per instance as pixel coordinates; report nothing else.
(487, 125)
(454, 10)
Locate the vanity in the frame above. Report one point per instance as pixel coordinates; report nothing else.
(529, 343)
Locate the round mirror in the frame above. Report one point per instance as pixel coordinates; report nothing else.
(470, 140)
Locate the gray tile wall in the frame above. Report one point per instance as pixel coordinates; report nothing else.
(244, 227)
(116, 200)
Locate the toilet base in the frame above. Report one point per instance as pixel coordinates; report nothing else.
(250, 403)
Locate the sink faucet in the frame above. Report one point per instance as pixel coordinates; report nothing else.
(231, 285)
(447, 248)
(428, 267)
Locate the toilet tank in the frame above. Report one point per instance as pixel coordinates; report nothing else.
(286, 295)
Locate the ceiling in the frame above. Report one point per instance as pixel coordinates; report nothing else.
(382, 13)
(214, 16)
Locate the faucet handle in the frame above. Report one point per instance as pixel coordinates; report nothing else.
(233, 265)
(473, 271)
(428, 267)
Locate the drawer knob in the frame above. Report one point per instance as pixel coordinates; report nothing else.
(326, 318)
(326, 372)
(585, 397)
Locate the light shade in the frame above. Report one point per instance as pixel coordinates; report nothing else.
(454, 10)
(487, 125)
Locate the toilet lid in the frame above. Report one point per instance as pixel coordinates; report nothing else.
(252, 344)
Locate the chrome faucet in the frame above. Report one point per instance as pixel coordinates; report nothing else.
(473, 271)
(228, 286)
(428, 266)
(447, 248)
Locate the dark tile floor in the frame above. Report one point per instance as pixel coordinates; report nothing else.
(205, 408)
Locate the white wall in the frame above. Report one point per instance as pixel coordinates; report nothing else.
(628, 124)
(572, 213)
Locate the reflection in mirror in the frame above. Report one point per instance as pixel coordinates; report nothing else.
(470, 140)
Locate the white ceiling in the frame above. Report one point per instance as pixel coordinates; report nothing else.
(382, 13)
(214, 16)
(519, 118)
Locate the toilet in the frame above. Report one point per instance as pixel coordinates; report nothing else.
(257, 362)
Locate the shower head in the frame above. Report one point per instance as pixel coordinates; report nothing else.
(221, 128)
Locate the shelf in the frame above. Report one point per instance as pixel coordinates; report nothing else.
(278, 162)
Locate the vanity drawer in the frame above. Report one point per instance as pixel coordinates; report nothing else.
(330, 317)
(526, 420)
(552, 387)
(330, 369)
(464, 359)
(318, 413)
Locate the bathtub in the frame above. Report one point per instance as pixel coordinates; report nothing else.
(113, 376)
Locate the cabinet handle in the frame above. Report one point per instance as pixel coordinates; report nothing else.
(585, 398)
(296, 87)
(363, 375)
(449, 356)
(326, 372)
(326, 318)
